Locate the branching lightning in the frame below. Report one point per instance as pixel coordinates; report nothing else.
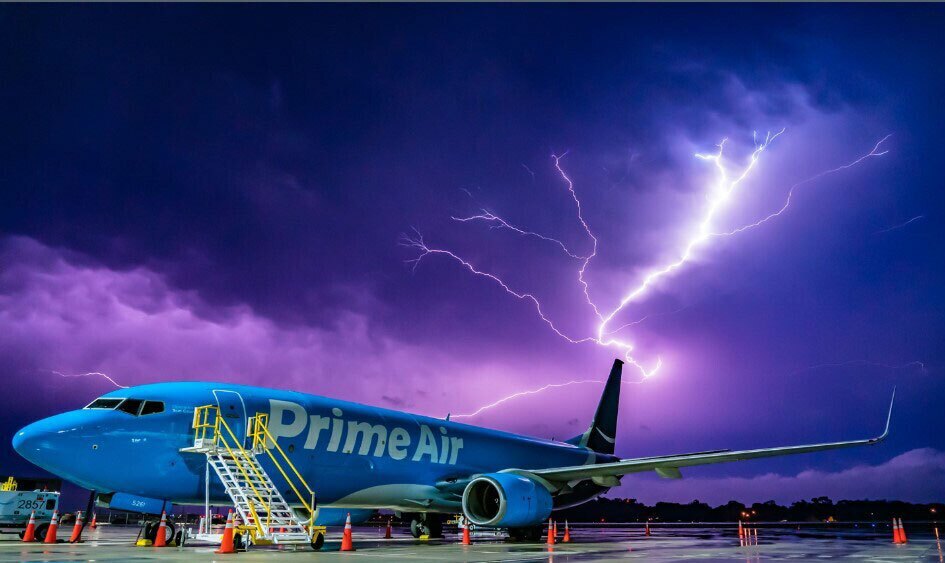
(91, 374)
(500, 223)
(647, 317)
(587, 229)
(787, 202)
(720, 193)
(525, 393)
(901, 225)
(418, 243)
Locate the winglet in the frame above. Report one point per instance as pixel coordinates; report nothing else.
(885, 433)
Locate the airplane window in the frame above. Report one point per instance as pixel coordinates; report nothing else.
(130, 406)
(152, 407)
(104, 403)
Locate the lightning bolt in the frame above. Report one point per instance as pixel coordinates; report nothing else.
(587, 229)
(787, 202)
(91, 374)
(500, 223)
(900, 225)
(717, 197)
(650, 316)
(523, 394)
(418, 243)
(719, 194)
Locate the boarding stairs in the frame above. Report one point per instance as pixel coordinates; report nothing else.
(265, 515)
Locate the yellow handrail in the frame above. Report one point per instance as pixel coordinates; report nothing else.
(260, 433)
(239, 464)
(207, 423)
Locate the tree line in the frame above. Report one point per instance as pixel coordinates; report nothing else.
(819, 509)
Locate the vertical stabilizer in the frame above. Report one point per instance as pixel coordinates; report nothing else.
(600, 437)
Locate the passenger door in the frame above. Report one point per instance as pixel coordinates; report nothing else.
(233, 411)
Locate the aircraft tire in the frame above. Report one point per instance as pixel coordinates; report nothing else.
(318, 541)
(41, 532)
(151, 528)
(415, 530)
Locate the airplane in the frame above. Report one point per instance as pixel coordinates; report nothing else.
(357, 456)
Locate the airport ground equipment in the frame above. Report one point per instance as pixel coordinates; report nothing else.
(16, 506)
(266, 518)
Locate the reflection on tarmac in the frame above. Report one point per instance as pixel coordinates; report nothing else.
(611, 543)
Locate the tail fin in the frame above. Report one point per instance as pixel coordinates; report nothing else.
(600, 437)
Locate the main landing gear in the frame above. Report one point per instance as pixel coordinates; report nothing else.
(430, 525)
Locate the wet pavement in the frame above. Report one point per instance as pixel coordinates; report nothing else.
(610, 543)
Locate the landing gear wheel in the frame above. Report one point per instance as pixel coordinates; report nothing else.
(318, 540)
(429, 525)
(151, 528)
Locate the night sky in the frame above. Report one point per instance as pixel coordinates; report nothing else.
(219, 193)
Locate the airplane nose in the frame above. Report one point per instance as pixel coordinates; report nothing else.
(45, 442)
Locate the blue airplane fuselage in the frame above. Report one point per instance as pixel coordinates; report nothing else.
(352, 455)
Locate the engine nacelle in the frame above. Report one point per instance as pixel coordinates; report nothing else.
(506, 500)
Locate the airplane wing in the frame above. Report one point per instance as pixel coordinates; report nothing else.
(668, 466)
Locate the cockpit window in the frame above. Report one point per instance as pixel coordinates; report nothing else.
(104, 403)
(134, 407)
(130, 406)
(152, 407)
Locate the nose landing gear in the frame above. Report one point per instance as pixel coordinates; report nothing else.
(430, 525)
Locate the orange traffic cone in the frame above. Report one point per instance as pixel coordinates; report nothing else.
(902, 532)
(551, 533)
(226, 543)
(555, 526)
(567, 533)
(77, 528)
(647, 529)
(347, 543)
(466, 539)
(895, 531)
(388, 534)
(94, 523)
(756, 536)
(741, 534)
(160, 537)
(53, 526)
(30, 534)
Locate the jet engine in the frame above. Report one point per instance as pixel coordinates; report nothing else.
(506, 500)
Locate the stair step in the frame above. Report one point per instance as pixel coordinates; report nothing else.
(251, 489)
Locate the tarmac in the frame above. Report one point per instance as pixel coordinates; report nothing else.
(610, 543)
